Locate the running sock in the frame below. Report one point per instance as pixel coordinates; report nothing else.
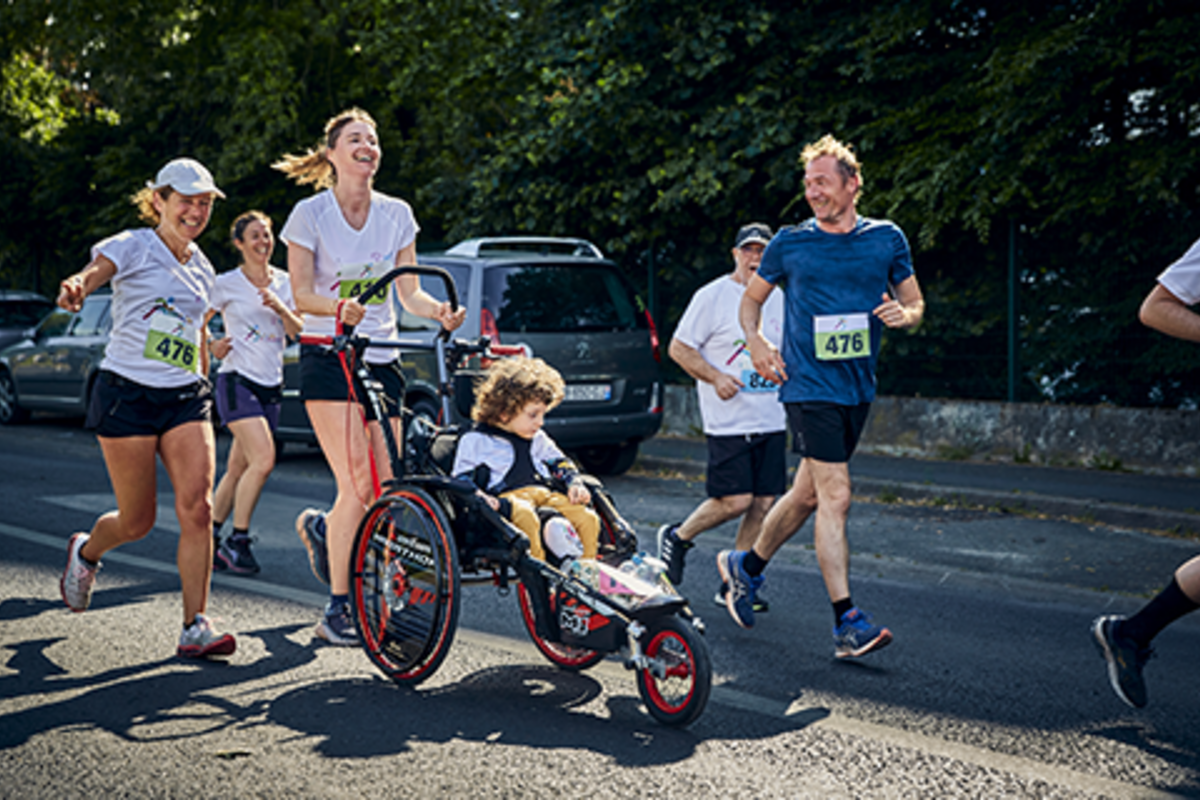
(338, 602)
(240, 533)
(217, 528)
(1167, 606)
(840, 608)
(753, 563)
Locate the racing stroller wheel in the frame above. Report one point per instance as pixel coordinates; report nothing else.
(563, 656)
(404, 584)
(676, 685)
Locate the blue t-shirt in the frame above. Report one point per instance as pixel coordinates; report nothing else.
(832, 282)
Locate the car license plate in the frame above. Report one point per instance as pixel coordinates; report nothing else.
(587, 393)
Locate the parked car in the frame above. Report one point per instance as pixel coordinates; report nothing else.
(20, 311)
(571, 307)
(52, 366)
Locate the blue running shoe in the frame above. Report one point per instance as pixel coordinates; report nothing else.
(1125, 660)
(761, 606)
(856, 636)
(235, 556)
(739, 600)
(336, 627)
(310, 526)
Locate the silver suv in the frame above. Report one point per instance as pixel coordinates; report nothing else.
(573, 308)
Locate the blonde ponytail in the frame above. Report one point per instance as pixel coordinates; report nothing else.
(143, 200)
(314, 167)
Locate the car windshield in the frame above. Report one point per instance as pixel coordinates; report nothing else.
(22, 313)
(92, 317)
(55, 324)
(560, 297)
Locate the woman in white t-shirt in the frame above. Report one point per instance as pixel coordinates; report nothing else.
(152, 397)
(255, 304)
(338, 239)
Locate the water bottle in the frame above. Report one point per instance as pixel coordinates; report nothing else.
(585, 571)
(644, 567)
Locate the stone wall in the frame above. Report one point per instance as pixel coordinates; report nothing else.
(1102, 437)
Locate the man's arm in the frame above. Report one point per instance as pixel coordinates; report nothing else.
(907, 309)
(767, 361)
(698, 367)
(1165, 312)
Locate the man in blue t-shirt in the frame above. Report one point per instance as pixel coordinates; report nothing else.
(844, 277)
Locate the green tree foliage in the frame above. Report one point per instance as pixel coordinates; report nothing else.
(655, 128)
(656, 122)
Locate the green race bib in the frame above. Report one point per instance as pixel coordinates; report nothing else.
(173, 341)
(838, 337)
(353, 281)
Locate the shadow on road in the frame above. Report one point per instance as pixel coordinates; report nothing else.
(169, 698)
(529, 706)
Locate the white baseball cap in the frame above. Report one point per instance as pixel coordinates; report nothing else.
(186, 176)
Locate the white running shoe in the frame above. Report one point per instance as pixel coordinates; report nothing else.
(201, 640)
(78, 577)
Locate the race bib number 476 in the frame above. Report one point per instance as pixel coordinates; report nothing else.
(356, 280)
(842, 336)
(173, 341)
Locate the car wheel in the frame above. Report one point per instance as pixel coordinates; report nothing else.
(613, 459)
(10, 412)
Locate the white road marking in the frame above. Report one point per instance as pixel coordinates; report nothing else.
(995, 555)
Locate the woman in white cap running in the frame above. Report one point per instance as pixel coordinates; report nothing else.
(152, 397)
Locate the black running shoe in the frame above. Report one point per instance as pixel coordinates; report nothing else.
(672, 551)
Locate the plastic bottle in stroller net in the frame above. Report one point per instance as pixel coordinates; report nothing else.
(649, 569)
(584, 571)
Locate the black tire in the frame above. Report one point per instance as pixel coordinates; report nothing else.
(424, 407)
(566, 657)
(11, 412)
(677, 648)
(404, 585)
(609, 459)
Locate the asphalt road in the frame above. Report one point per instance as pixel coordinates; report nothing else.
(991, 688)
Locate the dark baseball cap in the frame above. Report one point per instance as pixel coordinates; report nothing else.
(754, 232)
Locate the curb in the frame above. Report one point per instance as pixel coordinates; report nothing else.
(1174, 523)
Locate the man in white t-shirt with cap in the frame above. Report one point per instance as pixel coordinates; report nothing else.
(744, 422)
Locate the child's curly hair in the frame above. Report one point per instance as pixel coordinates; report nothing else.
(510, 384)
